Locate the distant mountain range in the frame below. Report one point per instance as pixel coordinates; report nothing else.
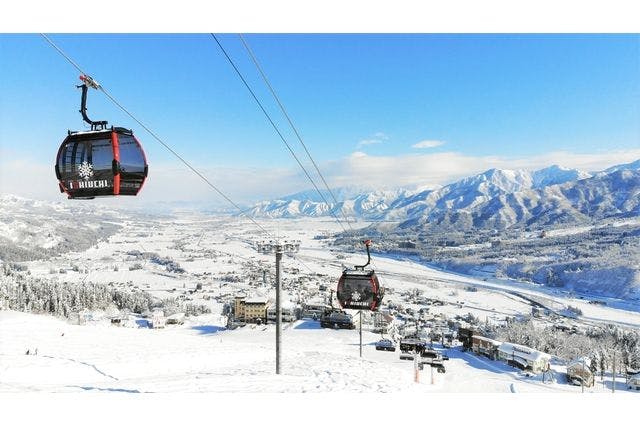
(496, 198)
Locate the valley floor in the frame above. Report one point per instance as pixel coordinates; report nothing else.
(202, 356)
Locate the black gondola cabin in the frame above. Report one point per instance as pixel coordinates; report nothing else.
(359, 290)
(99, 163)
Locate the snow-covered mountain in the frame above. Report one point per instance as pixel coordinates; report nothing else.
(557, 175)
(616, 194)
(494, 198)
(627, 166)
(31, 229)
(370, 204)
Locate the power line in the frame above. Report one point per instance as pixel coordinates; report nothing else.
(153, 134)
(274, 126)
(295, 130)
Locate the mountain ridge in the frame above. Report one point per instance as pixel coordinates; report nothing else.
(497, 198)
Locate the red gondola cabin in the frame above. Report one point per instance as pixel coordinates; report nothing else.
(101, 163)
(359, 288)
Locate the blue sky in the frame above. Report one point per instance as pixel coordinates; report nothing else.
(361, 102)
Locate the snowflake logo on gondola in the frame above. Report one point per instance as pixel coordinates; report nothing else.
(85, 170)
(355, 296)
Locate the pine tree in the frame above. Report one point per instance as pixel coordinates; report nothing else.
(593, 367)
(603, 365)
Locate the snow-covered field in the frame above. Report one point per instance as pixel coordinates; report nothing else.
(202, 355)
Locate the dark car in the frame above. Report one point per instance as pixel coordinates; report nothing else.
(412, 344)
(385, 345)
(434, 363)
(337, 320)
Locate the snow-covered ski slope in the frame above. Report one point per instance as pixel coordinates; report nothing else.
(202, 355)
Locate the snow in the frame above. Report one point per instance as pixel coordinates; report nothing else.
(201, 355)
(523, 352)
(256, 300)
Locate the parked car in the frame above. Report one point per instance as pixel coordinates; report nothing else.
(412, 344)
(434, 363)
(337, 320)
(405, 355)
(575, 380)
(385, 345)
(430, 354)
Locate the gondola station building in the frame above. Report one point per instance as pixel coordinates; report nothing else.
(485, 346)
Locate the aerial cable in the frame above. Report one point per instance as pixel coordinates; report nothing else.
(275, 127)
(153, 134)
(295, 130)
(242, 212)
(61, 52)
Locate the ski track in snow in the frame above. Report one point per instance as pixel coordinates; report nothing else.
(91, 365)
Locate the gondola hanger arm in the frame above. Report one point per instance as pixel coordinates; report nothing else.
(89, 81)
(367, 243)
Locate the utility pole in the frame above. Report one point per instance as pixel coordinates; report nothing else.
(279, 249)
(278, 308)
(583, 369)
(432, 374)
(360, 312)
(613, 383)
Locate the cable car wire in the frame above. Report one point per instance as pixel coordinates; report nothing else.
(266, 80)
(155, 136)
(295, 130)
(274, 126)
(61, 52)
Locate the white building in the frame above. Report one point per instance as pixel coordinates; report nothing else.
(578, 370)
(288, 311)
(315, 309)
(157, 319)
(524, 357)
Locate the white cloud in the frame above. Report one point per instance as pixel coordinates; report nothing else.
(171, 183)
(166, 183)
(429, 143)
(443, 168)
(377, 138)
